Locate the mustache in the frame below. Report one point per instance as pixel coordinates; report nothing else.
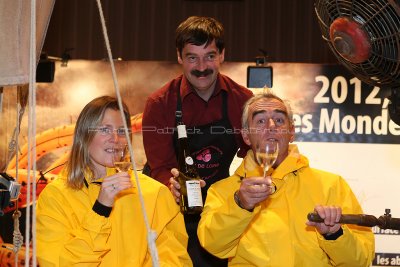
(203, 73)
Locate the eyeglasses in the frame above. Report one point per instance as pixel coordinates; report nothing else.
(107, 131)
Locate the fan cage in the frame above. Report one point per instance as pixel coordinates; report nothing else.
(380, 19)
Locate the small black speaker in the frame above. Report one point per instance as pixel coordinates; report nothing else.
(45, 71)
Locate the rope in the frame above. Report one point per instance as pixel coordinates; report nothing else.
(151, 234)
(22, 97)
(18, 239)
(31, 142)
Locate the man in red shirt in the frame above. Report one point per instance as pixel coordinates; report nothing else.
(209, 104)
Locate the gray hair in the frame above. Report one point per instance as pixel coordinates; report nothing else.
(268, 94)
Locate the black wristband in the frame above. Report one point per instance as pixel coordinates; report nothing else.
(101, 209)
(335, 235)
(237, 201)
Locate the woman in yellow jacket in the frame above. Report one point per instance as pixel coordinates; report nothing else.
(243, 220)
(91, 215)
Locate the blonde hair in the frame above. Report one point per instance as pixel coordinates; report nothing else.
(79, 163)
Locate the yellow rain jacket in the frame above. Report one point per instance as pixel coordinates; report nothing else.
(275, 233)
(70, 233)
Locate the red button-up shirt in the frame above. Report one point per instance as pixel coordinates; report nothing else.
(159, 119)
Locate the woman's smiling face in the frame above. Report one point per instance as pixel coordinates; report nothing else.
(102, 145)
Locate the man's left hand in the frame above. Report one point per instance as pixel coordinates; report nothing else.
(331, 216)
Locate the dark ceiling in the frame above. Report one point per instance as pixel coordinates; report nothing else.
(144, 29)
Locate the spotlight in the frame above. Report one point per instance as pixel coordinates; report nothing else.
(45, 69)
(259, 76)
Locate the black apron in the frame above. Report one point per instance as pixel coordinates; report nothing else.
(213, 147)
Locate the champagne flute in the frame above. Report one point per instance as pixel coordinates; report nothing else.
(266, 154)
(121, 158)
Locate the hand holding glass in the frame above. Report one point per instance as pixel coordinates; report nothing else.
(266, 153)
(121, 158)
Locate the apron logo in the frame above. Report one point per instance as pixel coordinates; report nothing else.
(204, 155)
(208, 158)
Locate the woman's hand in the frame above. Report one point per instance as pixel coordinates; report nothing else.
(111, 186)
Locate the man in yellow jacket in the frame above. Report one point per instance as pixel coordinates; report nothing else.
(262, 221)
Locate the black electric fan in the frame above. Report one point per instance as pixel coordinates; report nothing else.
(364, 35)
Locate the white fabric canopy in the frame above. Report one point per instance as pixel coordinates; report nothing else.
(15, 36)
